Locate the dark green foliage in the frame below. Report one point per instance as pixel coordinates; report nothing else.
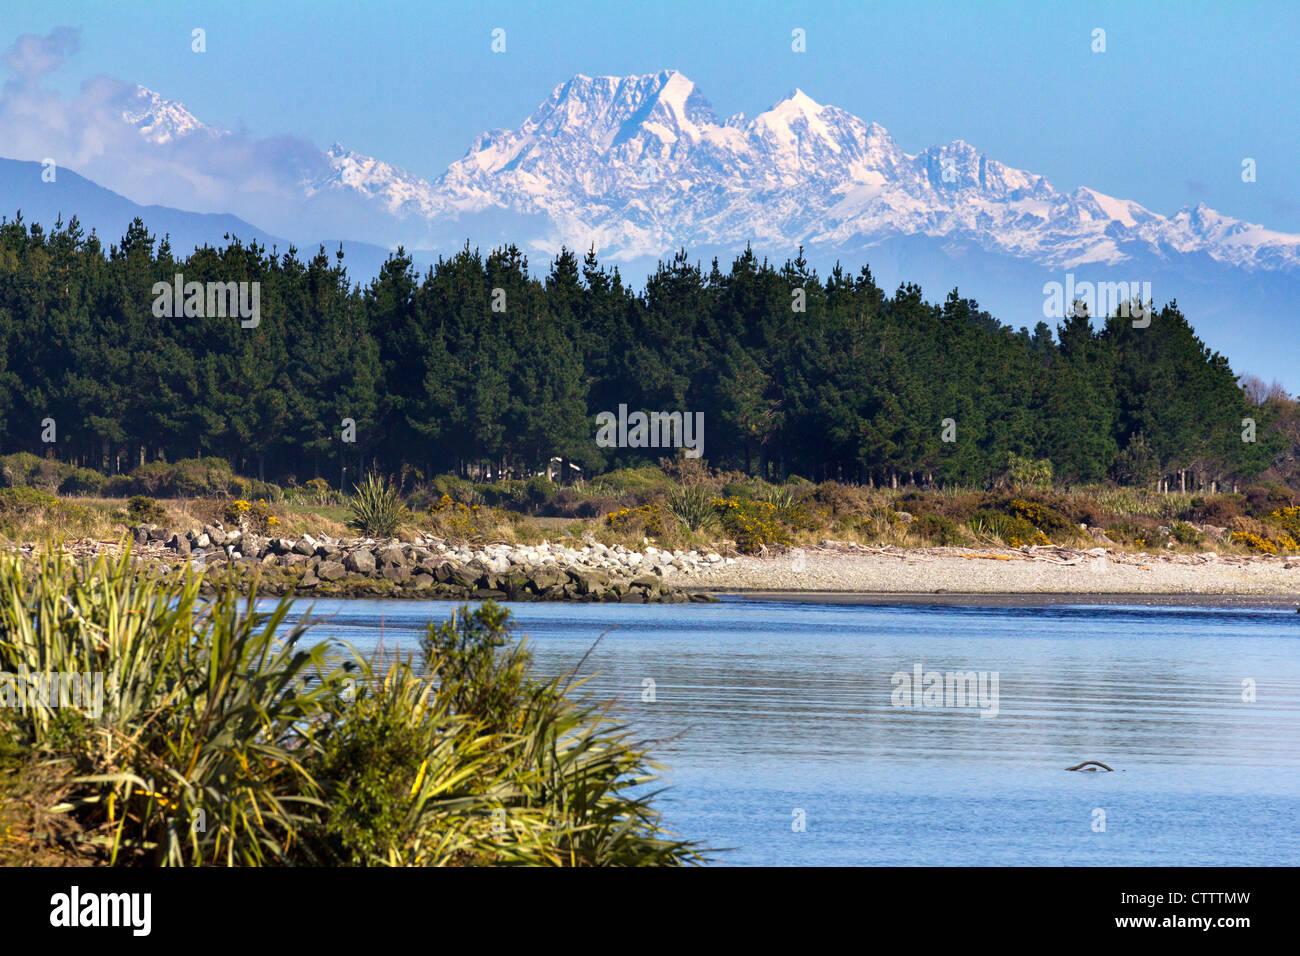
(478, 367)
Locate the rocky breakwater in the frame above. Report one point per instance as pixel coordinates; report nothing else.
(430, 567)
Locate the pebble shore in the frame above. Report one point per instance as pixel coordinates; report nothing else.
(1039, 570)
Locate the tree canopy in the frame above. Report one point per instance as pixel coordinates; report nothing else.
(479, 362)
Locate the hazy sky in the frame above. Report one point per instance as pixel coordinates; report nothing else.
(1165, 116)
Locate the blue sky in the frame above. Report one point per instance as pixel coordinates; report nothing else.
(1165, 116)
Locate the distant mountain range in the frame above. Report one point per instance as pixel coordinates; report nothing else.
(22, 189)
(641, 166)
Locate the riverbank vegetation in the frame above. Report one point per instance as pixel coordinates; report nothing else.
(680, 504)
(222, 738)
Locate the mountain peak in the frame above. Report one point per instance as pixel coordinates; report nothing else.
(801, 101)
(159, 119)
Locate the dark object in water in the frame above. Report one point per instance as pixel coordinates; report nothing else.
(1091, 765)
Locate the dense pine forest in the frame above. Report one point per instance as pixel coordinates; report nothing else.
(478, 367)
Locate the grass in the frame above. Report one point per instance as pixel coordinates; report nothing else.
(805, 514)
(224, 740)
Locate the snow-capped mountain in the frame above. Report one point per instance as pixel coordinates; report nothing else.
(399, 192)
(161, 120)
(641, 165)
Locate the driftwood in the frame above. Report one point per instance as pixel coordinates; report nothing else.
(1092, 764)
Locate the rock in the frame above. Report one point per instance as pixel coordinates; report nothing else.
(547, 577)
(180, 544)
(215, 535)
(515, 581)
(361, 561)
(309, 579)
(397, 573)
(201, 540)
(463, 576)
(305, 546)
(159, 534)
(331, 571)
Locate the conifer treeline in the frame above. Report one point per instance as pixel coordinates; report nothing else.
(855, 386)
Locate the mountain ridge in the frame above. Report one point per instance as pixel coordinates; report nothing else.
(642, 164)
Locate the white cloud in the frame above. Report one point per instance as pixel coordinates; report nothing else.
(198, 168)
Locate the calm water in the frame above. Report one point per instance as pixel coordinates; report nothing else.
(771, 712)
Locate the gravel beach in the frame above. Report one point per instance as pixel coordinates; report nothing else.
(956, 571)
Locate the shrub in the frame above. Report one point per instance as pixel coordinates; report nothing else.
(1218, 509)
(932, 527)
(375, 507)
(640, 481)
(1254, 542)
(1184, 533)
(1013, 531)
(321, 493)
(83, 481)
(646, 520)
(118, 486)
(251, 515)
(19, 503)
(691, 505)
(457, 520)
(1045, 519)
(842, 499)
(195, 478)
(1288, 519)
(458, 489)
(1262, 499)
(142, 509)
(26, 469)
(751, 524)
(738, 489)
(1028, 472)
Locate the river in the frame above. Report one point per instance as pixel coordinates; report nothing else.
(792, 738)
